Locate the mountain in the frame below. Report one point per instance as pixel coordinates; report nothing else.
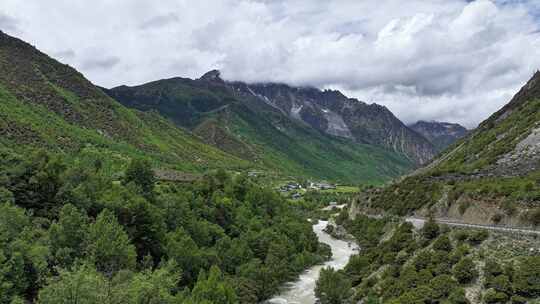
(491, 176)
(326, 135)
(333, 113)
(440, 134)
(50, 105)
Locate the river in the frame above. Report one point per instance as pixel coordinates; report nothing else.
(302, 291)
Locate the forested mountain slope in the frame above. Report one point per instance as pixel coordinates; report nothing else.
(242, 122)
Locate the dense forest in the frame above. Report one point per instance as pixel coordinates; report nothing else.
(74, 233)
(402, 265)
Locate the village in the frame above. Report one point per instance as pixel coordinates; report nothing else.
(295, 189)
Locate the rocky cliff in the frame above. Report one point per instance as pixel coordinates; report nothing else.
(440, 134)
(333, 113)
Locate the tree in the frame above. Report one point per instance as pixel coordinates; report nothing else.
(414, 296)
(23, 254)
(83, 285)
(154, 287)
(333, 287)
(458, 297)
(492, 296)
(68, 235)
(501, 283)
(442, 243)
(477, 237)
(465, 271)
(213, 289)
(422, 260)
(181, 248)
(35, 182)
(143, 221)
(430, 229)
(527, 277)
(260, 277)
(442, 286)
(141, 174)
(109, 246)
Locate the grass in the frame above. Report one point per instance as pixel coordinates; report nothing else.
(492, 139)
(343, 189)
(153, 137)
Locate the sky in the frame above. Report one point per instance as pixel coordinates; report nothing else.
(444, 60)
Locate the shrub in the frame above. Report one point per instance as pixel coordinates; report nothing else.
(458, 296)
(492, 296)
(527, 277)
(442, 243)
(461, 235)
(477, 237)
(497, 218)
(465, 270)
(509, 207)
(332, 286)
(442, 286)
(501, 283)
(430, 229)
(516, 299)
(534, 216)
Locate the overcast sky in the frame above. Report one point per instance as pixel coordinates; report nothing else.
(448, 60)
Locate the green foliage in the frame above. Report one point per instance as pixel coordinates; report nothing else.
(23, 254)
(478, 236)
(413, 192)
(465, 271)
(82, 285)
(493, 296)
(527, 277)
(430, 229)
(109, 246)
(68, 236)
(366, 230)
(140, 173)
(492, 139)
(213, 289)
(442, 243)
(332, 287)
(148, 247)
(458, 297)
(442, 286)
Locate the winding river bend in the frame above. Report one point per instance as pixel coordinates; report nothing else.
(302, 291)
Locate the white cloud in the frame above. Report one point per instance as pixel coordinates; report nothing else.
(452, 60)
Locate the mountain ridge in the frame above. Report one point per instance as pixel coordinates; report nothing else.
(331, 112)
(440, 134)
(325, 111)
(51, 105)
(247, 127)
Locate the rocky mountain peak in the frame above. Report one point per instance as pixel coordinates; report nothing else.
(333, 113)
(213, 76)
(440, 134)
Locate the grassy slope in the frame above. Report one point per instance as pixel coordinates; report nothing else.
(163, 143)
(252, 130)
(491, 140)
(467, 172)
(304, 151)
(46, 104)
